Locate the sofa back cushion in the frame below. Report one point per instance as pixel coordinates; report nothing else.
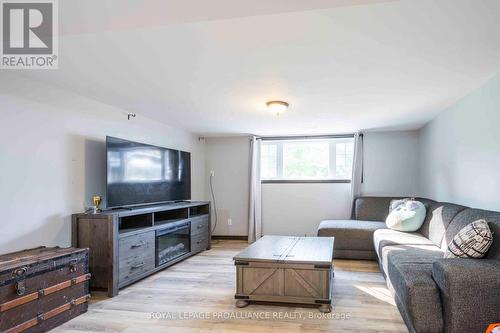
(439, 216)
(377, 208)
(372, 208)
(470, 215)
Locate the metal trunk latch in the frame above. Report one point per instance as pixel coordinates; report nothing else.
(20, 288)
(72, 266)
(20, 271)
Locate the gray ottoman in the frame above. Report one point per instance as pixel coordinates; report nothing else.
(353, 238)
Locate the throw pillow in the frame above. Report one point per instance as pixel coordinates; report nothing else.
(472, 241)
(406, 215)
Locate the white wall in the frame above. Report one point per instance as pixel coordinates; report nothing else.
(391, 164)
(229, 157)
(52, 158)
(297, 209)
(460, 151)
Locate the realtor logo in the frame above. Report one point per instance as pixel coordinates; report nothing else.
(29, 34)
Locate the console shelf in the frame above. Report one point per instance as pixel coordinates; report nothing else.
(199, 210)
(123, 243)
(166, 216)
(134, 222)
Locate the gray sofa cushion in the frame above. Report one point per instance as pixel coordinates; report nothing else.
(350, 234)
(385, 237)
(470, 215)
(439, 216)
(417, 296)
(413, 254)
(408, 271)
(470, 293)
(419, 254)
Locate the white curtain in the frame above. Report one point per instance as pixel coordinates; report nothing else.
(255, 214)
(357, 168)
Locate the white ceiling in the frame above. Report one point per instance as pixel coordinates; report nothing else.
(343, 65)
(114, 15)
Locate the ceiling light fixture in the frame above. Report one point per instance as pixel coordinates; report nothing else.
(277, 107)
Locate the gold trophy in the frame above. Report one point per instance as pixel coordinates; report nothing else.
(97, 199)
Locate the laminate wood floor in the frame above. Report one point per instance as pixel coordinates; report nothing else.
(197, 295)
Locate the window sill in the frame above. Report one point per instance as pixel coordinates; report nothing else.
(305, 181)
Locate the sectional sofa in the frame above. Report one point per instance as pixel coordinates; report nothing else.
(433, 294)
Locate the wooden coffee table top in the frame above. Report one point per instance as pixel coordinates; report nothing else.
(290, 249)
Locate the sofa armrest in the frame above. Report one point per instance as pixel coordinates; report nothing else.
(470, 293)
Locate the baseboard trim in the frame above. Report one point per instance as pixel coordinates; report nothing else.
(229, 237)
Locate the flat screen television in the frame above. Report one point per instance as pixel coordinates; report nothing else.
(139, 174)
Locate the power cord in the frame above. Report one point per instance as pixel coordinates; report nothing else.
(215, 204)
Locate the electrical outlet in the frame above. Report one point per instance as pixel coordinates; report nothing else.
(212, 173)
(229, 221)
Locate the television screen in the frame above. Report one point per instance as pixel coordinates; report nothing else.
(140, 174)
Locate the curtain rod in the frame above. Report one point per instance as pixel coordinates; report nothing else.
(331, 136)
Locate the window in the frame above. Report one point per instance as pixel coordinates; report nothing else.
(315, 159)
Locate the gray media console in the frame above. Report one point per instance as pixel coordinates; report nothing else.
(127, 245)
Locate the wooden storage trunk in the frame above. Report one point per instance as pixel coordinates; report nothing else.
(42, 288)
(286, 269)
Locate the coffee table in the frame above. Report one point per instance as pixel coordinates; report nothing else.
(286, 269)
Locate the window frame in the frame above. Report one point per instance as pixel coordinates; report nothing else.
(305, 181)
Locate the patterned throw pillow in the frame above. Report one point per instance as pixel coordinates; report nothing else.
(472, 241)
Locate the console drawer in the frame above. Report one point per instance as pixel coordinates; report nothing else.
(132, 267)
(199, 242)
(135, 245)
(199, 225)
